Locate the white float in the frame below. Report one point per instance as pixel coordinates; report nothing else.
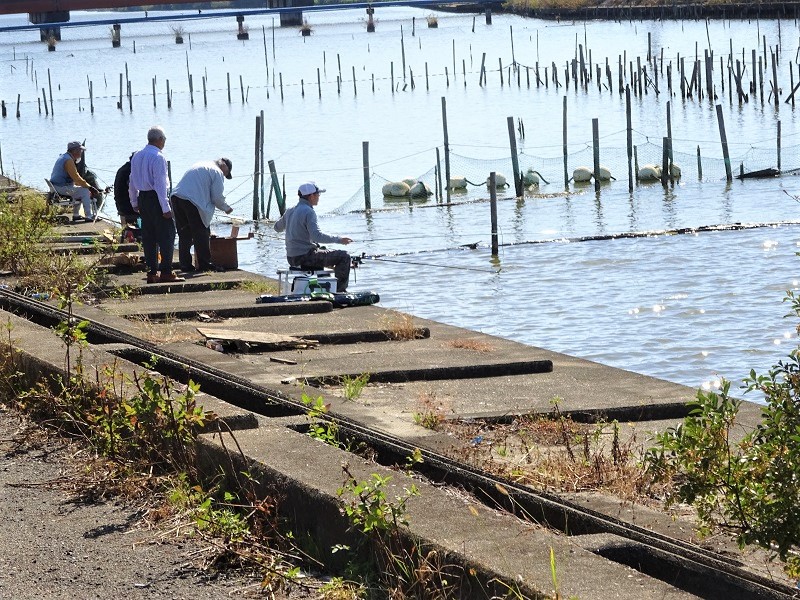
(649, 172)
(396, 189)
(581, 174)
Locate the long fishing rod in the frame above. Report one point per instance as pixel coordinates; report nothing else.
(421, 264)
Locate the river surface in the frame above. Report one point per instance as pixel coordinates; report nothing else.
(690, 308)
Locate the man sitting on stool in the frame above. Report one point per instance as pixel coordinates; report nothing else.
(303, 237)
(68, 182)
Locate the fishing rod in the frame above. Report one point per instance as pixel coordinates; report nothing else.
(421, 264)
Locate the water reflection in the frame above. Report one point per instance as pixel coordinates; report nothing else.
(657, 305)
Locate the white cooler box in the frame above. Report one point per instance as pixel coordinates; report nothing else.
(305, 282)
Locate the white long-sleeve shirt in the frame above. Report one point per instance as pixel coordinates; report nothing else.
(149, 172)
(202, 185)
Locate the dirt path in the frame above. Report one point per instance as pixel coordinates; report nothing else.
(52, 545)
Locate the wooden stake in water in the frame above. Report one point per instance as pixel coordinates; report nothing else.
(440, 195)
(355, 89)
(596, 152)
(50, 87)
(18, 98)
(241, 88)
(261, 134)
(775, 79)
(276, 188)
(564, 144)
(724, 139)
(365, 166)
(266, 59)
(403, 52)
(493, 211)
(255, 170)
(228, 75)
(699, 166)
(454, 59)
(446, 147)
(205, 97)
(779, 146)
(629, 136)
(191, 90)
(512, 141)
(169, 96)
(154, 91)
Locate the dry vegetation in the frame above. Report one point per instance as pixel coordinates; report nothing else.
(470, 344)
(553, 452)
(400, 327)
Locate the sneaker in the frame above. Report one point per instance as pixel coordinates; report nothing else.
(187, 268)
(152, 278)
(170, 278)
(78, 219)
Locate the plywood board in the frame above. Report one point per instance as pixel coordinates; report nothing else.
(255, 337)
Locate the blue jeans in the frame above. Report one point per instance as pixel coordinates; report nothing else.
(158, 234)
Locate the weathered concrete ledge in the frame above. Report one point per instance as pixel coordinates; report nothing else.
(474, 375)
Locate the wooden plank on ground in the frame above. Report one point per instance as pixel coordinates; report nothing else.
(262, 338)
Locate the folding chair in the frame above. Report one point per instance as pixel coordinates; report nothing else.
(53, 197)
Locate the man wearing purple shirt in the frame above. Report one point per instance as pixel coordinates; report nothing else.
(148, 193)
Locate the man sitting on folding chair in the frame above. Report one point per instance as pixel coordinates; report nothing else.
(68, 182)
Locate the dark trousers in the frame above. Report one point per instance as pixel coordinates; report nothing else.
(191, 232)
(339, 260)
(158, 234)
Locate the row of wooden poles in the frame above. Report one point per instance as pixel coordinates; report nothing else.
(443, 192)
(695, 81)
(580, 71)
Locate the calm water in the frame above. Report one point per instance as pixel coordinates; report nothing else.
(687, 308)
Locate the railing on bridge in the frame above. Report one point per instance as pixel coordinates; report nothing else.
(50, 22)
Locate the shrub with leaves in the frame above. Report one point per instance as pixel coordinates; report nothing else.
(23, 226)
(751, 486)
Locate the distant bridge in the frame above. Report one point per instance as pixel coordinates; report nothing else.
(49, 16)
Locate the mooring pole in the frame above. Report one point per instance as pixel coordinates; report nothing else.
(493, 211)
(629, 136)
(255, 170)
(596, 152)
(724, 139)
(512, 140)
(365, 162)
(276, 186)
(446, 148)
(564, 145)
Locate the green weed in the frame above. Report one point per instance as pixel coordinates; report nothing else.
(353, 386)
(320, 428)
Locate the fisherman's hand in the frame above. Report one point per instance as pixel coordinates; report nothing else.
(229, 211)
(168, 214)
(346, 240)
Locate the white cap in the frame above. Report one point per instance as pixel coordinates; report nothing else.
(308, 188)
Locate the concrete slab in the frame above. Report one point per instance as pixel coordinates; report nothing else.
(466, 532)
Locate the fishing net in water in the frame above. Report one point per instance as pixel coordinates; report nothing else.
(551, 170)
